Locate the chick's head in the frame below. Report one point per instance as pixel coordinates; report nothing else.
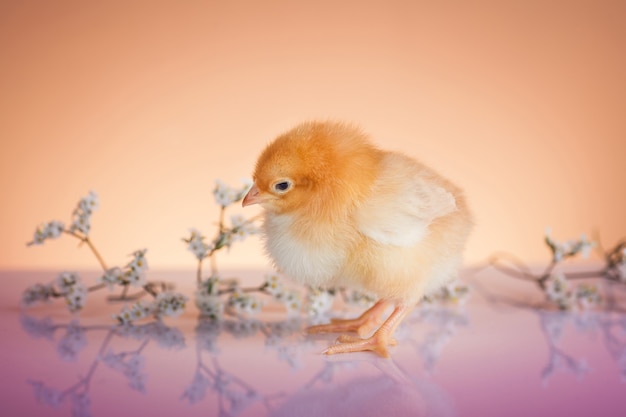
(316, 166)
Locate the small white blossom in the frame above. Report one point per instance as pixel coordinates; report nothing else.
(170, 304)
(65, 280)
(137, 311)
(241, 228)
(562, 250)
(112, 277)
(209, 305)
(558, 291)
(244, 303)
(36, 294)
(139, 261)
(226, 195)
(292, 301)
(273, 286)
(197, 245)
(136, 268)
(50, 230)
(320, 302)
(81, 217)
(75, 297)
(587, 296)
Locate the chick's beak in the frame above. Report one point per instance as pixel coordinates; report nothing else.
(253, 197)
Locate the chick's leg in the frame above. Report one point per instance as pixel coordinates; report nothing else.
(362, 325)
(378, 341)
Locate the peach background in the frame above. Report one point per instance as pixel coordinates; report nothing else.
(521, 103)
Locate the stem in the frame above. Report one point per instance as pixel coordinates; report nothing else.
(85, 239)
(199, 272)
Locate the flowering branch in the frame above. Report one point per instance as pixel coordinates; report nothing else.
(69, 285)
(556, 283)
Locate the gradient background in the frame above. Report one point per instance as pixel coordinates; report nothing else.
(147, 103)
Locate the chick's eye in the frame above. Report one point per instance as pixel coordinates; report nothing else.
(282, 186)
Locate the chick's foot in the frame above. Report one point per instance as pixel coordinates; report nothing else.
(377, 343)
(362, 325)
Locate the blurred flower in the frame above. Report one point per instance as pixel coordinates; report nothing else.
(587, 296)
(197, 245)
(137, 311)
(36, 294)
(241, 228)
(136, 268)
(170, 304)
(562, 250)
(292, 301)
(74, 291)
(210, 306)
(558, 291)
(112, 277)
(319, 301)
(272, 285)
(81, 217)
(226, 195)
(50, 230)
(244, 303)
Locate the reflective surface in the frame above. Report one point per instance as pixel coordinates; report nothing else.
(492, 356)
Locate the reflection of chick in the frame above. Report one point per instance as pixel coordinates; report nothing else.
(340, 212)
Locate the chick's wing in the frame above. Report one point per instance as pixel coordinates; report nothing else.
(404, 200)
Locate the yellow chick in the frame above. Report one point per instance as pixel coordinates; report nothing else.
(339, 212)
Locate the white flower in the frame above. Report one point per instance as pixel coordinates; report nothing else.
(137, 311)
(90, 203)
(244, 303)
(139, 261)
(273, 286)
(170, 304)
(587, 296)
(291, 300)
(197, 245)
(136, 268)
(112, 277)
(209, 305)
(50, 230)
(75, 296)
(66, 280)
(558, 291)
(81, 217)
(562, 250)
(320, 302)
(37, 293)
(241, 228)
(226, 195)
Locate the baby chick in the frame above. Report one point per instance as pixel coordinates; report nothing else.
(340, 212)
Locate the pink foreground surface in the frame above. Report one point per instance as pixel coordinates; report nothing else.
(490, 356)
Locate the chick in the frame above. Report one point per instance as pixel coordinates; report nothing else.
(339, 212)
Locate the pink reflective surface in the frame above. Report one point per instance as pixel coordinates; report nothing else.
(489, 357)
